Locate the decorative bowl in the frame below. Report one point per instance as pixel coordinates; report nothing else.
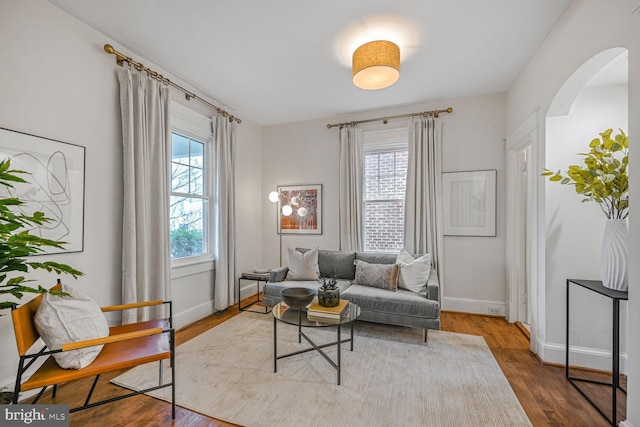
(297, 298)
(261, 270)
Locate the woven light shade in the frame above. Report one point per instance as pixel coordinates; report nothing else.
(376, 65)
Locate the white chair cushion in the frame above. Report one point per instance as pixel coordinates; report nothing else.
(61, 320)
(413, 272)
(303, 266)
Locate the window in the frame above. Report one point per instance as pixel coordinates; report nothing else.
(188, 214)
(385, 179)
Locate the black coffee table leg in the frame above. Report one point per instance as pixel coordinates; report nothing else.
(275, 345)
(339, 345)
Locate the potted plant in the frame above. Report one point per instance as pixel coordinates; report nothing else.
(329, 292)
(604, 179)
(17, 243)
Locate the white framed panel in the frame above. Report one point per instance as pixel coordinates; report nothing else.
(469, 203)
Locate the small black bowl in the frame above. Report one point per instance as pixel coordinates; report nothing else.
(297, 298)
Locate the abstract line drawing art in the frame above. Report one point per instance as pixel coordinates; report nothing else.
(55, 185)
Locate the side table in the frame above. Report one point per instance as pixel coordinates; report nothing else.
(616, 297)
(256, 277)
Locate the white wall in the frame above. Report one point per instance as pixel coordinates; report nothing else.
(57, 82)
(307, 153)
(574, 229)
(587, 28)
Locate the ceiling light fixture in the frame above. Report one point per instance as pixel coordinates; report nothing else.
(376, 65)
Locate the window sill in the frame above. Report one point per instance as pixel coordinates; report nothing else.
(189, 269)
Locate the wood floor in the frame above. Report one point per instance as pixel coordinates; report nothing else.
(546, 396)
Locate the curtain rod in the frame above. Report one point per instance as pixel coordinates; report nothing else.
(121, 59)
(433, 113)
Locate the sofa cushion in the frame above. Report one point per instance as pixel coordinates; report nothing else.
(376, 257)
(402, 302)
(339, 261)
(303, 266)
(66, 319)
(273, 289)
(413, 272)
(383, 276)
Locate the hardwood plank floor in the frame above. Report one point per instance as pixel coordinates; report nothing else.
(545, 395)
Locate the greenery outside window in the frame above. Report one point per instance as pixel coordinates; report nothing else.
(190, 194)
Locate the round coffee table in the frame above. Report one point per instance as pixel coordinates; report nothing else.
(282, 313)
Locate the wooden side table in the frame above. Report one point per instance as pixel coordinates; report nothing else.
(616, 297)
(256, 277)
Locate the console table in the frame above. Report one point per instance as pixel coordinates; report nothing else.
(616, 297)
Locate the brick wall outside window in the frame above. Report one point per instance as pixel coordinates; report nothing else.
(385, 182)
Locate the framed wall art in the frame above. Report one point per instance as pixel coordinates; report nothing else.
(469, 203)
(55, 185)
(300, 209)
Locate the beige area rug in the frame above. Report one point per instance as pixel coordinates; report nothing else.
(391, 378)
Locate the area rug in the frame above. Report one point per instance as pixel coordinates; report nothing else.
(392, 378)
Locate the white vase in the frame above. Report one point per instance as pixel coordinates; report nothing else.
(614, 255)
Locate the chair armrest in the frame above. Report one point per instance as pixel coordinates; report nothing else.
(111, 338)
(278, 274)
(132, 305)
(433, 286)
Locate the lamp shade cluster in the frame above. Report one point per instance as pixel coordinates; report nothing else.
(287, 210)
(376, 65)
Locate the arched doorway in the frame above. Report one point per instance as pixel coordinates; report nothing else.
(536, 228)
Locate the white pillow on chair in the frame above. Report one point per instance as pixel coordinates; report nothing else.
(413, 272)
(65, 319)
(303, 266)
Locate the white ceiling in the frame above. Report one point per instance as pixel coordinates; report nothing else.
(282, 61)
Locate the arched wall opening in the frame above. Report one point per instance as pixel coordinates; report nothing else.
(593, 99)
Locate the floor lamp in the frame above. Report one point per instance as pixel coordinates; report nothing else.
(287, 210)
(274, 197)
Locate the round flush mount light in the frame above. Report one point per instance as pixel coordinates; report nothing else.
(376, 65)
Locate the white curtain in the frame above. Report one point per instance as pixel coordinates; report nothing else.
(351, 188)
(225, 212)
(423, 199)
(146, 270)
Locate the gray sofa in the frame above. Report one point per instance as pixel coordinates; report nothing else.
(401, 308)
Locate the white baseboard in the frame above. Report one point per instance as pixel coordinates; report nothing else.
(494, 308)
(625, 423)
(583, 357)
(193, 314)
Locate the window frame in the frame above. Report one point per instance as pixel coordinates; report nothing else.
(196, 127)
(383, 141)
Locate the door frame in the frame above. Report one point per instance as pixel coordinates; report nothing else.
(522, 238)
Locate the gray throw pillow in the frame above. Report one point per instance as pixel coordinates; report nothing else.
(383, 276)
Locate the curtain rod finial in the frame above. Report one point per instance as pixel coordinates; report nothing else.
(109, 49)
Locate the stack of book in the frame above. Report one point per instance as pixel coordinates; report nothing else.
(318, 313)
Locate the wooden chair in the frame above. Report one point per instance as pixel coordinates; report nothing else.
(126, 346)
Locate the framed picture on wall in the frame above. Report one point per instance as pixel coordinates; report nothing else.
(55, 185)
(300, 209)
(469, 203)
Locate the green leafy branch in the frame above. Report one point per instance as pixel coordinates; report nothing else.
(604, 177)
(16, 243)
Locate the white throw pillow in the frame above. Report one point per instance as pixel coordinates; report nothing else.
(303, 266)
(413, 272)
(65, 319)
